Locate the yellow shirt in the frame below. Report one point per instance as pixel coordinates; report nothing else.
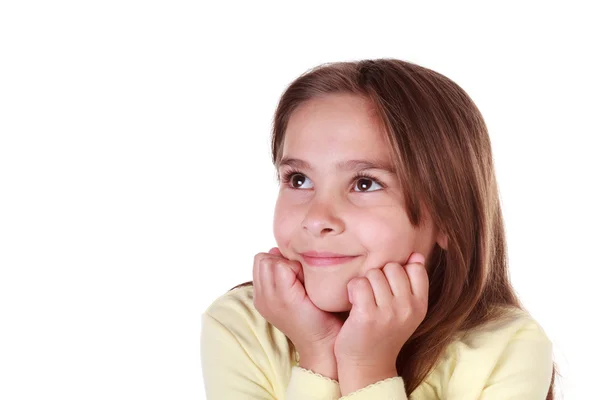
(245, 357)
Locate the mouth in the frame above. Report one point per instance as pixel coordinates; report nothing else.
(325, 259)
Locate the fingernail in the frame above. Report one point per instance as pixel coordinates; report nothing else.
(416, 258)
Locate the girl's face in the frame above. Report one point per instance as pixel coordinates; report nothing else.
(325, 207)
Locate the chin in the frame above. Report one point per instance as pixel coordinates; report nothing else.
(329, 299)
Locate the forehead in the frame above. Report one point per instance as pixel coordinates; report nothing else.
(336, 126)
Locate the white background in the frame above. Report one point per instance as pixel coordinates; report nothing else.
(136, 183)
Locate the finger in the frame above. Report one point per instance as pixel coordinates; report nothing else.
(275, 251)
(398, 279)
(255, 272)
(415, 258)
(265, 272)
(287, 284)
(381, 288)
(361, 294)
(296, 266)
(283, 276)
(419, 281)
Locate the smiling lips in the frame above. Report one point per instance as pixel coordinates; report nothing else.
(323, 259)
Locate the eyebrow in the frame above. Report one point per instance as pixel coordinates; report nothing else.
(347, 165)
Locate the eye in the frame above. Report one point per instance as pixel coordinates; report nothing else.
(293, 178)
(365, 182)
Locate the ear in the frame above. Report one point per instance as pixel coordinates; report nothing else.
(442, 240)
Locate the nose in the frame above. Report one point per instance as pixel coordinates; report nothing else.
(321, 219)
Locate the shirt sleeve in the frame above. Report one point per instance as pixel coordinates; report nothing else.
(230, 372)
(308, 385)
(521, 370)
(524, 369)
(387, 389)
(227, 369)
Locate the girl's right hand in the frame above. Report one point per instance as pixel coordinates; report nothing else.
(280, 297)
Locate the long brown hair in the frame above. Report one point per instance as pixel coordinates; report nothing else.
(442, 151)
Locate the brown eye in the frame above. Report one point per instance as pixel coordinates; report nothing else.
(297, 179)
(364, 184)
(294, 180)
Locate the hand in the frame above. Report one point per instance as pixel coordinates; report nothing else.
(387, 307)
(280, 297)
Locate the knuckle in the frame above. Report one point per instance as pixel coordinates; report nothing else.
(365, 318)
(372, 273)
(388, 318)
(283, 274)
(418, 268)
(268, 263)
(421, 307)
(415, 311)
(277, 262)
(361, 283)
(260, 267)
(391, 267)
(405, 314)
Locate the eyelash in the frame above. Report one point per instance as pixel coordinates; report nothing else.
(287, 176)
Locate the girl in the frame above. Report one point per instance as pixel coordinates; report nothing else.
(390, 278)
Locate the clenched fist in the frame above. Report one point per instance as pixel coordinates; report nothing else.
(280, 297)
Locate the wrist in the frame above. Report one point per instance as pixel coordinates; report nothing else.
(320, 362)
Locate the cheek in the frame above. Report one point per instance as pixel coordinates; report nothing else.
(388, 234)
(284, 222)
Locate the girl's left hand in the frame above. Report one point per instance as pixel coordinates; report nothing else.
(387, 307)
